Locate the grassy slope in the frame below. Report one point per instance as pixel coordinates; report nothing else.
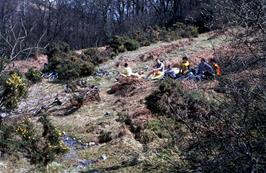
(86, 123)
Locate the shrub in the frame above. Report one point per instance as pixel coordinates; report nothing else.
(6, 133)
(179, 25)
(173, 100)
(14, 88)
(117, 42)
(34, 75)
(77, 100)
(121, 49)
(123, 43)
(39, 146)
(3, 61)
(146, 136)
(96, 57)
(164, 35)
(58, 47)
(69, 65)
(131, 45)
(104, 137)
(195, 31)
(145, 42)
(157, 127)
(87, 69)
(223, 137)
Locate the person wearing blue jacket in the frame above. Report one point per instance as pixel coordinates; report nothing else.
(205, 70)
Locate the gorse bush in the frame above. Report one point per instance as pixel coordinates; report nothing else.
(69, 65)
(195, 31)
(7, 133)
(39, 146)
(117, 43)
(226, 138)
(155, 34)
(34, 75)
(123, 43)
(14, 88)
(97, 57)
(54, 47)
(104, 137)
(173, 100)
(131, 44)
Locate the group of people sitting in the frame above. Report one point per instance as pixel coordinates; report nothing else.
(183, 71)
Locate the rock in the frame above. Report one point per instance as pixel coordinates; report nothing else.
(4, 114)
(103, 157)
(91, 144)
(108, 114)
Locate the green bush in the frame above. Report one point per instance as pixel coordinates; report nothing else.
(210, 136)
(3, 62)
(117, 42)
(145, 43)
(7, 132)
(69, 65)
(87, 69)
(90, 52)
(97, 57)
(57, 47)
(104, 137)
(172, 95)
(195, 31)
(122, 43)
(39, 146)
(179, 25)
(131, 44)
(14, 88)
(152, 35)
(146, 136)
(34, 75)
(121, 49)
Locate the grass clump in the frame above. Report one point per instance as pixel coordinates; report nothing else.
(34, 76)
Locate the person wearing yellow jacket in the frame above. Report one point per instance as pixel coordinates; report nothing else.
(184, 66)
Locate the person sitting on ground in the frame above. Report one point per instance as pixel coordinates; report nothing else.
(128, 72)
(158, 70)
(171, 72)
(184, 66)
(216, 67)
(205, 70)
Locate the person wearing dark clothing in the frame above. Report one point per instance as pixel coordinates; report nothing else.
(205, 70)
(170, 72)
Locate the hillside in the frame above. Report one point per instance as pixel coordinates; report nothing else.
(132, 86)
(87, 123)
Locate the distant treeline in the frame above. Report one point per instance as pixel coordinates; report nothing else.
(87, 23)
(26, 25)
